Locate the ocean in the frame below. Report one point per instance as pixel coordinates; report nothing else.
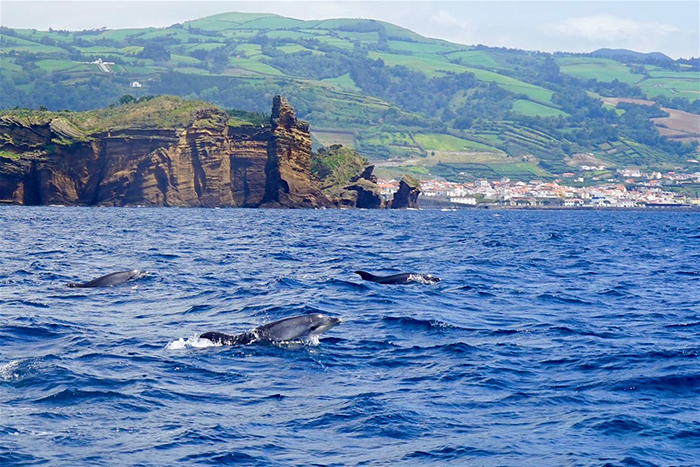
(555, 338)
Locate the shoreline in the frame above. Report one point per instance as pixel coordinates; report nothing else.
(485, 207)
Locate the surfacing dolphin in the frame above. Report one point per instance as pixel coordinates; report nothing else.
(403, 278)
(287, 329)
(110, 280)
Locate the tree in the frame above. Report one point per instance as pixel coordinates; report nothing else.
(126, 99)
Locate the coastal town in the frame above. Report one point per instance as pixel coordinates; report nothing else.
(625, 188)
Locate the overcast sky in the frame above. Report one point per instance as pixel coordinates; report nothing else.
(671, 27)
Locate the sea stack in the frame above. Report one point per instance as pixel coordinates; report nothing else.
(407, 195)
(289, 181)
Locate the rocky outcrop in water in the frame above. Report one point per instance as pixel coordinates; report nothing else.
(407, 195)
(364, 191)
(204, 159)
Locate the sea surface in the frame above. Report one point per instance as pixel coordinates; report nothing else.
(555, 338)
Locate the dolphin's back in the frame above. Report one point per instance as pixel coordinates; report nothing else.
(286, 329)
(109, 280)
(403, 278)
(228, 339)
(393, 279)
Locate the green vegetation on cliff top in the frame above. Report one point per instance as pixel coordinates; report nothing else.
(162, 112)
(336, 165)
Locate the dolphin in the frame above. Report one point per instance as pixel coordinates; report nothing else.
(403, 278)
(110, 280)
(286, 329)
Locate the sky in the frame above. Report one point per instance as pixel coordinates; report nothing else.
(671, 27)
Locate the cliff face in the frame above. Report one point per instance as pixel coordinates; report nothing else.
(206, 162)
(289, 181)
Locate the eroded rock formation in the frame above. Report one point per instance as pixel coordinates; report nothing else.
(289, 180)
(363, 191)
(407, 195)
(205, 162)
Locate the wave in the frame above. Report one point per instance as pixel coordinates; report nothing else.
(73, 396)
(563, 299)
(691, 324)
(681, 385)
(407, 322)
(347, 285)
(448, 453)
(197, 309)
(229, 458)
(566, 331)
(43, 331)
(454, 348)
(614, 426)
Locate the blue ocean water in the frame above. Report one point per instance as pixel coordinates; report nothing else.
(555, 338)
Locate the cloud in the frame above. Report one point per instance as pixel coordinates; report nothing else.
(443, 24)
(445, 18)
(611, 30)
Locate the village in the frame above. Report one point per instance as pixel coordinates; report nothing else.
(630, 188)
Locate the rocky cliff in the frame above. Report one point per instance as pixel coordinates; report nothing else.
(163, 152)
(289, 180)
(407, 195)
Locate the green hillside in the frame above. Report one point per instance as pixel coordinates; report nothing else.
(387, 91)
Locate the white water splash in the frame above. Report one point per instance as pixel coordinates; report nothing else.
(194, 342)
(423, 279)
(312, 341)
(8, 371)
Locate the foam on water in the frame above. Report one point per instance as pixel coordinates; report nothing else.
(194, 342)
(8, 371)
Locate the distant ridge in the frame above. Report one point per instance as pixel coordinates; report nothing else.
(618, 54)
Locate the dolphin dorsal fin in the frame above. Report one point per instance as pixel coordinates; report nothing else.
(366, 276)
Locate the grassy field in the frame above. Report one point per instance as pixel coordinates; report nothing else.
(600, 69)
(422, 48)
(430, 65)
(470, 171)
(536, 93)
(57, 65)
(477, 58)
(328, 137)
(440, 142)
(343, 81)
(671, 87)
(255, 66)
(534, 109)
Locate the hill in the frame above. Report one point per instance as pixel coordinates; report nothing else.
(406, 102)
(625, 54)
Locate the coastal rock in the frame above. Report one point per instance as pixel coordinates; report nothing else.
(367, 194)
(366, 175)
(407, 195)
(346, 177)
(289, 181)
(201, 161)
